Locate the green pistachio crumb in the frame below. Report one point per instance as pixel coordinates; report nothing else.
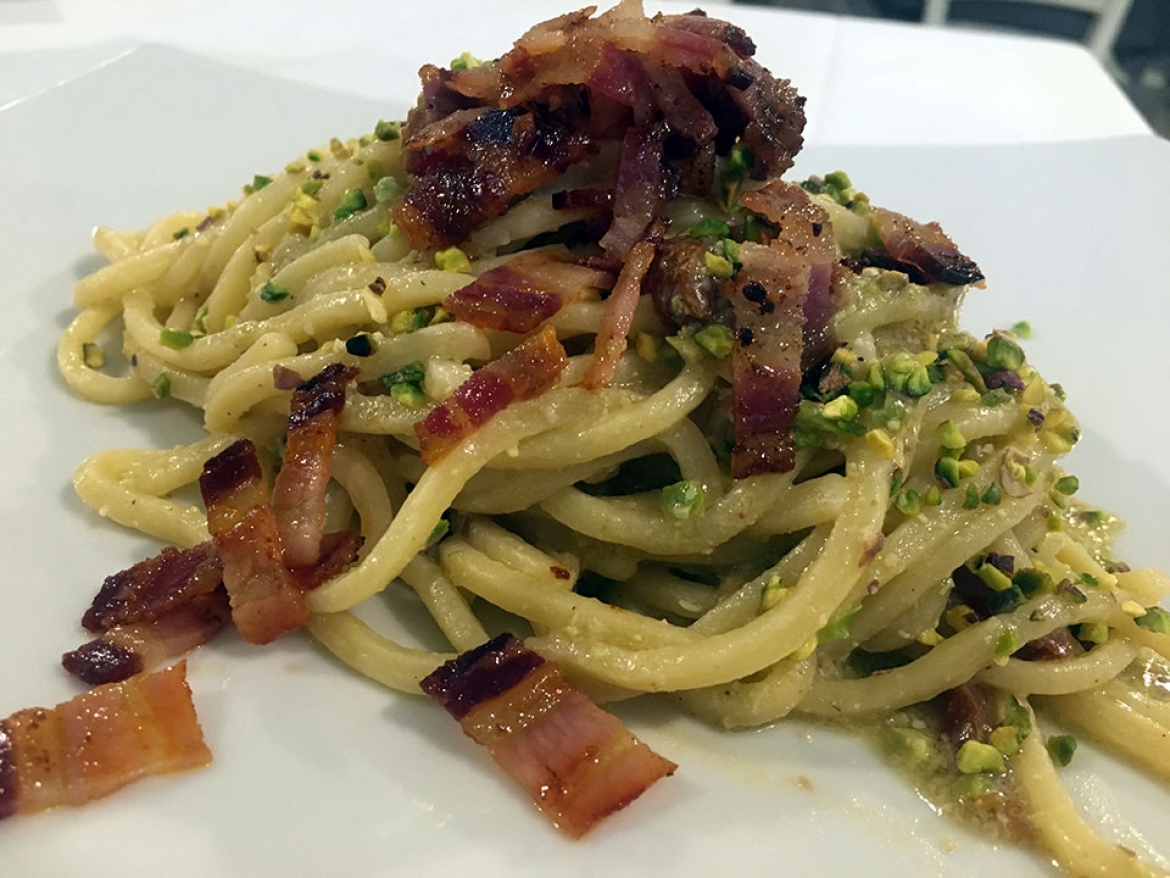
(715, 339)
(452, 259)
(682, 500)
(1061, 748)
(181, 233)
(270, 292)
(718, 266)
(175, 338)
(992, 496)
(388, 130)
(161, 386)
(353, 201)
(1067, 485)
(710, 228)
(1155, 619)
(387, 189)
(975, 757)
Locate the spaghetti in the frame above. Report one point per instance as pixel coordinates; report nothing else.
(875, 529)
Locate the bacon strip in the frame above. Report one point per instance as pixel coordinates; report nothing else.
(782, 303)
(524, 292)
(154, 587)
(526, 371)
(266, 602)
(126, 650)
(619, 315)
(577, 762)
(922, 250)
(92, 745)
(298, 497)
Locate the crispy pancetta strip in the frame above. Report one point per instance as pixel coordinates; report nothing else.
(298, 497)
(524, 292)
(103, 739)
(126, 650)
(266, 601)
(524, 372)
(577, 762)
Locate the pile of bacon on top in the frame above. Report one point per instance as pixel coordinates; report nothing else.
(687, 111)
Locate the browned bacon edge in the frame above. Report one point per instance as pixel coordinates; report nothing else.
(524, 372)
(298, 497)
(99, 741)
(125, 650)
(266, 601)
(524, 292)
(577, 762)
(154, 587)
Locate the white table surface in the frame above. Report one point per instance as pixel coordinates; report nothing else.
(867, 82)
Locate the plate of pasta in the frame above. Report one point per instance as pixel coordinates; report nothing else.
(586, 348)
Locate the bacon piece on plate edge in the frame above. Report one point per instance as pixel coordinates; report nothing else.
(577, 762)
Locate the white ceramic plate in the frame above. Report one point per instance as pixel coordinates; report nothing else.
(318, 772)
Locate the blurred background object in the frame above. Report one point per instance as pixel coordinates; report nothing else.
(1130, 37)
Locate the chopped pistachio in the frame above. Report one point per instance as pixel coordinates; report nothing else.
(339, 149)
(715, 339)
(971, 498)
(1032, 581)
(993, 577)
(960, 617)
(410, 395)
(876, 377)
(294, 168)
(842, 408)
(975, 757)
(947, 469)
(92, 355)
(774, 592)
(1093, 632)
(970, 786)
(710, 228)
(388, 130)
(930, 637)
(718, 266)
(1017, 716)
(465, 62)
(861, 393)
(740, 157)
(439, 531)
(161, 386)
(452, 259)
(911, 747)
(1003, 354)
(259, 181)
(1061, 748)
(949, 436)
(313, 155)
(1155, 619)
(731, 251)
(387, 189)
(181, 233)
(909, 503)
(682, 500)
(993, 495)
(968, 469)
(175, 338)
(353, 201)
(995, 397)
(932, 496)
(1022, 329)
(1067, 485)
(312, 186)
(838, 627)
(1005, 739)
(1007, 643)
(918, 382)
(411, 373)
(270, 292)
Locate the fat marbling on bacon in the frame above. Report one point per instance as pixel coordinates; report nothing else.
(99, 741)
(577, 762)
